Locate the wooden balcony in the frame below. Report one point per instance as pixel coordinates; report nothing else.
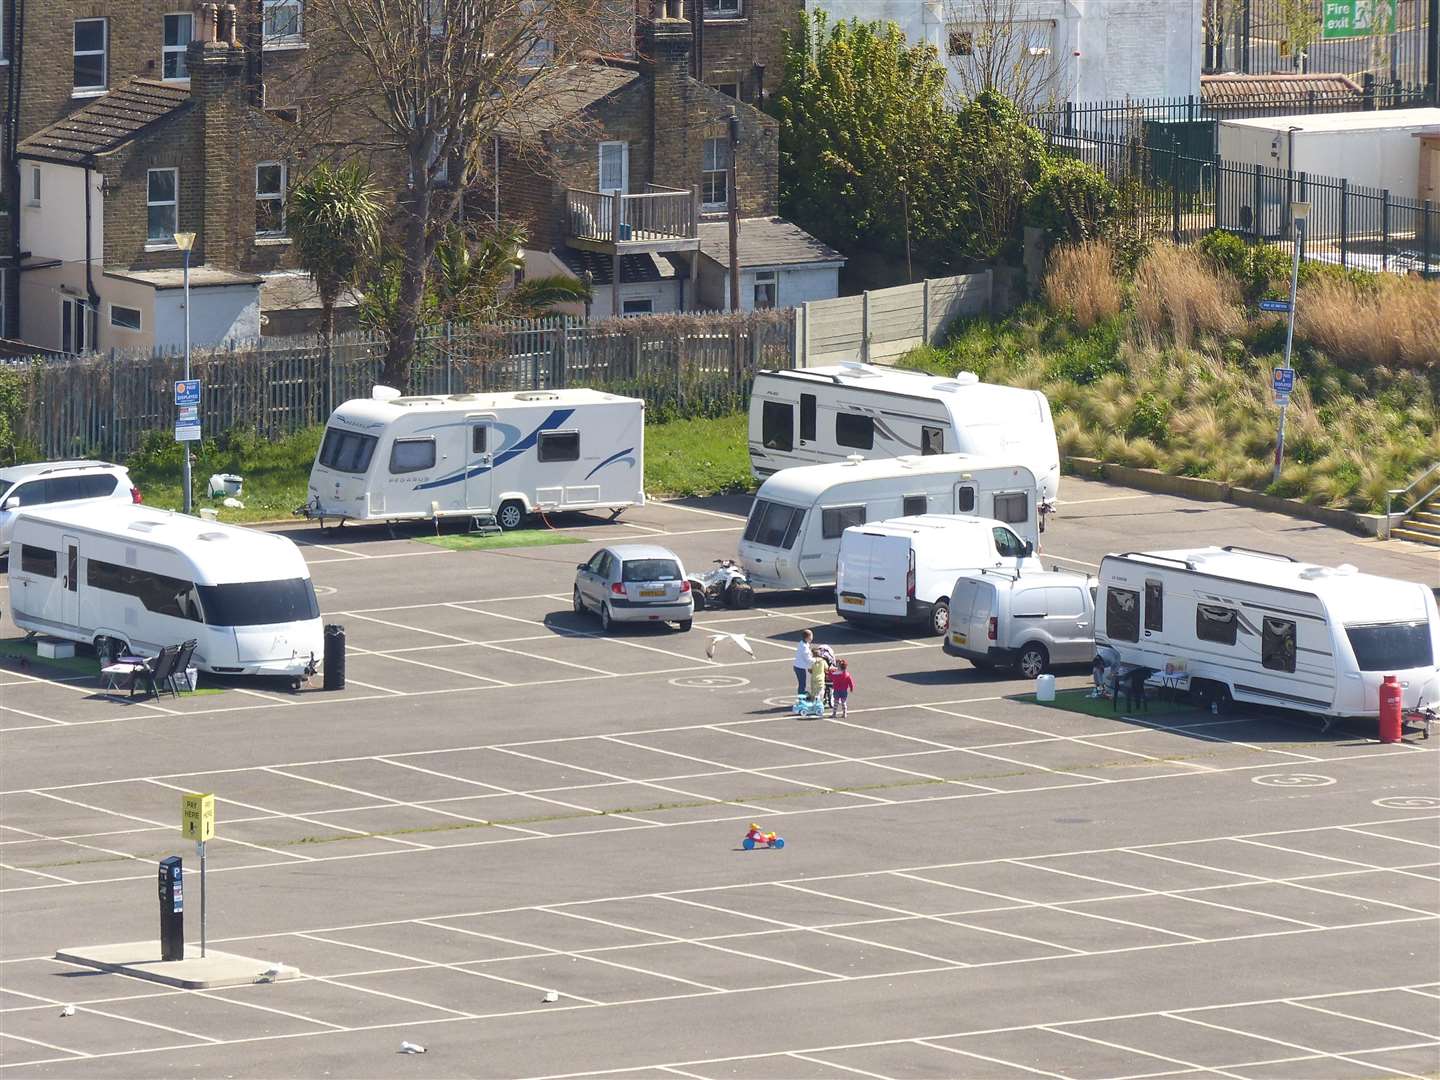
(660, 219)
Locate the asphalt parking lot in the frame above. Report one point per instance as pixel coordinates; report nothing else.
(504, 802)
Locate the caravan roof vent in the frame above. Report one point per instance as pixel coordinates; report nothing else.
(858, 370)
(538, 395)
(384, 393)
(1311, 573)
(145, 526)
(464, 397)
(967, 378)
(212, 536)
(854, 459)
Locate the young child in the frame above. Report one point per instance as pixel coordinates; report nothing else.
(841, 682)
(817, 673)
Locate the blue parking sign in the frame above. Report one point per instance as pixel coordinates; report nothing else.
(187, 392)
(1284, 380)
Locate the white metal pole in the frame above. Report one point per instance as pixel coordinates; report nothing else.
(186, 480)
(1289, 340)
(202, 888)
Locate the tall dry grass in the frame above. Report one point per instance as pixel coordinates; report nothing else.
(1080, 281)
(1178, 293)
(1395, 324)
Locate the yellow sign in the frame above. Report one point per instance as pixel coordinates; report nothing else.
(197, 817)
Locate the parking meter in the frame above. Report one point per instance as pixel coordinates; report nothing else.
(172, 909)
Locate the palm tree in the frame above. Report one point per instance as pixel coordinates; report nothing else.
(470, 276)
(333, 219)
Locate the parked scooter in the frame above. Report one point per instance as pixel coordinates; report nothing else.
(726, 584)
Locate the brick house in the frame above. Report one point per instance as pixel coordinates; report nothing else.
(625, 175)
(740, 44)
(104, 189)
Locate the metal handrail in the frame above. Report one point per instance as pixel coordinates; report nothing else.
(1405, 511)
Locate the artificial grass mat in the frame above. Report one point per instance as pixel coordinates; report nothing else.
(1080, 701)
(20, 653)
(518, 538)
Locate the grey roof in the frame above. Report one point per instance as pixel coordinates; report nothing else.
(634, 269)
(568, 93)
(201, 277)
(106, 123)
(765, 242)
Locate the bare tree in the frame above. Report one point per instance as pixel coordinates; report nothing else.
(994, 45)
(422, 88)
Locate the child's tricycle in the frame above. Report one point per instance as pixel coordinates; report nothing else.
(763, 839)
(808, 706)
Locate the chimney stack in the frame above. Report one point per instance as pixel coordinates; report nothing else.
(218, 88)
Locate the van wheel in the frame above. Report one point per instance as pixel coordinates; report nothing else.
(511, 515)
(940, 616)
(605, 623)
(1033, 660)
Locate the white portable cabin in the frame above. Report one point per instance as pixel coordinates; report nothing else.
(808, 416)
(1263, 628)
(792, 537)
(394, 458)
(132, 579)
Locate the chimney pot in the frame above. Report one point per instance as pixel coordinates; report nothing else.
(227, 21)
(205, 28)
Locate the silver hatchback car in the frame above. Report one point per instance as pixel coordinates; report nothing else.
(634, 583)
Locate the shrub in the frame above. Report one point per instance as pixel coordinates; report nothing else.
(1080, 282)
(1178, 292)
(1072, 201)
(1393, 324)
(1149, 419)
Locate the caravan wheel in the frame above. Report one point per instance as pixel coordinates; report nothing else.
(110, 649)
(511, 515)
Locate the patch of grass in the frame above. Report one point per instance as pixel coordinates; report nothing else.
(519, 538)
(698, 457)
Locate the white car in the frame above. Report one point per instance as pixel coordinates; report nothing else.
(48, 483)
(634, 583)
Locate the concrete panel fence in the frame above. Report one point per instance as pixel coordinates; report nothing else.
(881, 324)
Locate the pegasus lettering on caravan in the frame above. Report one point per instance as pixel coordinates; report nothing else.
(394, 458)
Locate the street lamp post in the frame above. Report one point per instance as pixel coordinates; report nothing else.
(1299, 211)
(185, 241)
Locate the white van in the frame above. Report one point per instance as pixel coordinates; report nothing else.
(903, 570)
(1026, 620)
(392, 458)
(1243, 625)
(828, 499)
(128, 579)
(808, 416)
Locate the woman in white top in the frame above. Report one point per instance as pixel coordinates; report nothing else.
(802, 662)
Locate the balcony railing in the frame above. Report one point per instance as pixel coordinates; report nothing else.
(660, 219)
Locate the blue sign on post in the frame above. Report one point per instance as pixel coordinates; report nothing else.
(1284, 380)
(187, 392)
(1274, 305)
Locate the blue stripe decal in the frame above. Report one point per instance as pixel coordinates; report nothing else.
(554, 420)
(613, 457)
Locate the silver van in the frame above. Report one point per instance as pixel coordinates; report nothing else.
(1027, 619)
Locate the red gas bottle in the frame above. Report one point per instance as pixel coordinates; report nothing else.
(1391, 699)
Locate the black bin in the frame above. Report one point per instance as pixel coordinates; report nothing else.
(334, 656)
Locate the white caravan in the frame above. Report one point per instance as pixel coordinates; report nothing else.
(1258, 627)
(394, 458)
(807, 416)
(903, 570)
(129, 579)
(792, 537)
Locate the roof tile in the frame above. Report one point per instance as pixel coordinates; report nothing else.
(106, 123)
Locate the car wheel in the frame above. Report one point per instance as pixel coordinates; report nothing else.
(577, 602)
(940, 617)
(684, 625)
(510, 516)
(1033, 660)
(983, 665)
(605, 623)
(699, 594)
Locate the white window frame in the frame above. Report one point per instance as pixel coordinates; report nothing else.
(152, 244)
(178, 51)
(139, 319)
(280, 198)
(764, 278)
(4, 302)
(75, 307)
(721, 167)
(35, 188)
(103, 52)
(724, 9)
(624, 152)
(272, 40)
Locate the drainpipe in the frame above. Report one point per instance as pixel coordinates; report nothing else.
(14, 24)
(92, 297)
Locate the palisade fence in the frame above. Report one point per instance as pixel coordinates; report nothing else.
(680, 365)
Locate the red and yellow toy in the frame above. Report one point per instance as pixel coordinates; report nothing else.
(763, 839)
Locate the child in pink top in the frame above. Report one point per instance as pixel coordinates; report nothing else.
(842, 683)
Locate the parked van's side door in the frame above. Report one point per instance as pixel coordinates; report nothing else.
(69, 596)
(479, 462)
(1070, 623)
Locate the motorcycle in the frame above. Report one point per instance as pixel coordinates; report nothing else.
(726, 584)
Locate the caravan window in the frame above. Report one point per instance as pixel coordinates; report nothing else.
(1013, 508)
(855, 431)
(773, 524)
(260, 603)
(1154, 605)
(160, 594)
(411, 455)
(477, 439)
(932, 440)
(965, 500)
(777, 426)
(837, 519)
(1391, 646)
(347, 451)
(807, 417)
(1217, 624)
(1122, 614)
(559, 446)
(914, 504)
(38, 561)
(1277, 644)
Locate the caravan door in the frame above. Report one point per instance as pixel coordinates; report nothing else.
(70, 597)
(479, 462)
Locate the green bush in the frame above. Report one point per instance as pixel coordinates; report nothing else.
(1071, 201)
(1149, 419)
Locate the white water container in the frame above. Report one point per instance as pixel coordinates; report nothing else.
(1045, 688)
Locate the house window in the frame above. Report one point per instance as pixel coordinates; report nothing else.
(714, 183)
(284, 22)
(1216, 624)
(962, 43)
(124, 318)
(855, 431)
(90, 60)
(162, 204)
(73, 326)
(644, 306)
(766, 288)
(33, 195)
(1122, 614)
(614, 166)
(729, 89)
(270, 198)
(178, 30)
(722, 9)
(559, 446)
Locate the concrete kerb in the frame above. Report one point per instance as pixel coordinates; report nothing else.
(140, 959)
(1192, 487)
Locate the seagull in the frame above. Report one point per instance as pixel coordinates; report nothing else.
(68, 1010)
(551, 997)
(411, 1048)
(738, 639)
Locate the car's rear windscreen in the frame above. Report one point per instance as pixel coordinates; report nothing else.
(650, 570)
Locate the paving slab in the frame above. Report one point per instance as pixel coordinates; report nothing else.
(141, 960)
